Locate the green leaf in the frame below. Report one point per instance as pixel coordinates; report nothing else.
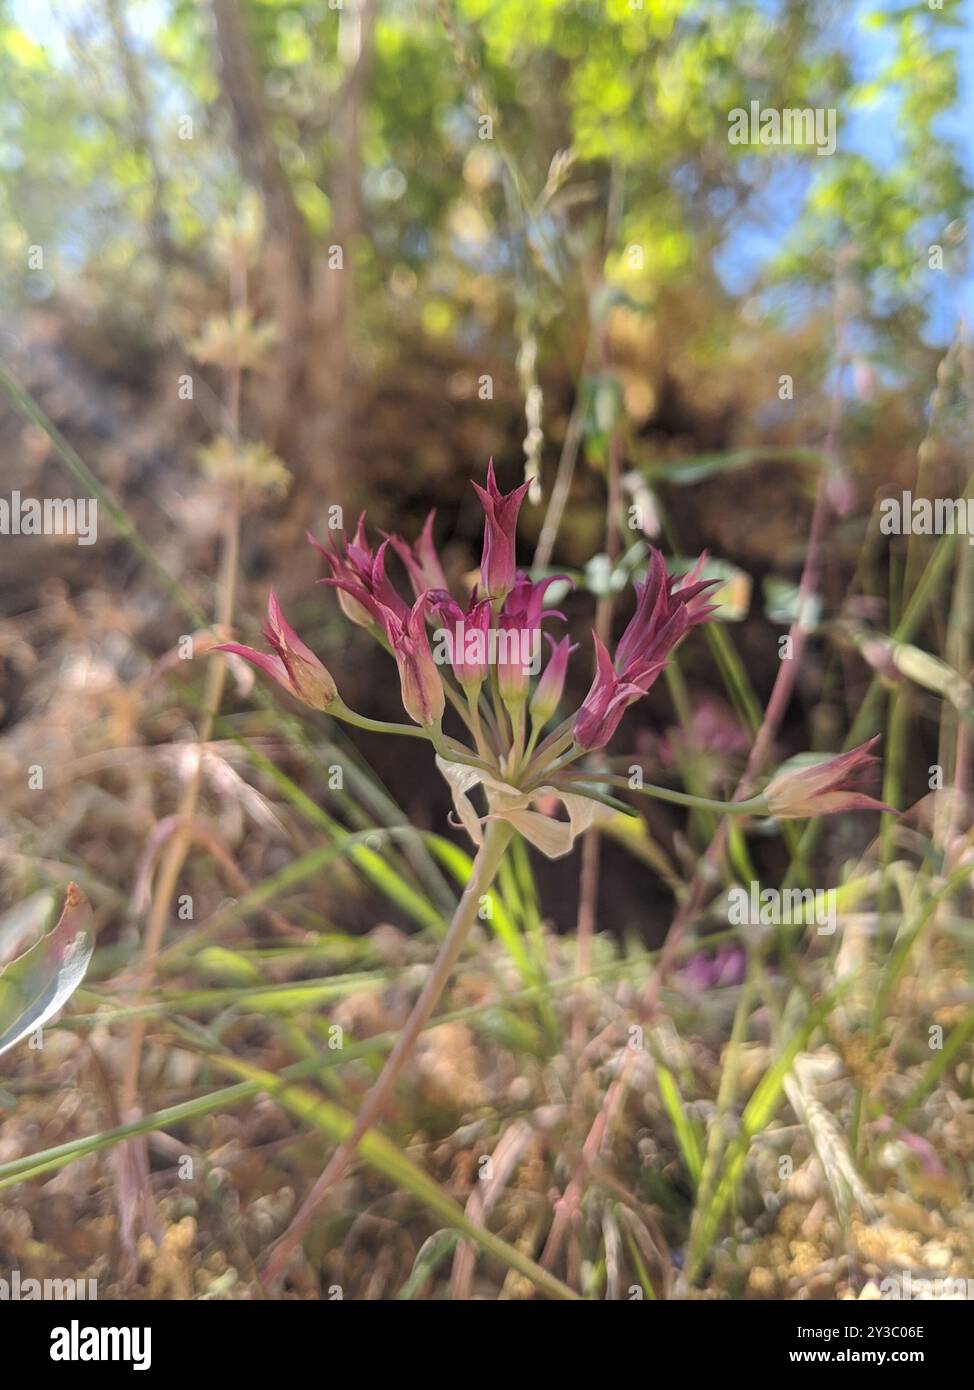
(39, 983)
(703, 466)
(686, 1134)
(781, 603)
(734, 593)
(24, 924)
(231, 967)
(383, 1155)
(757, 1114)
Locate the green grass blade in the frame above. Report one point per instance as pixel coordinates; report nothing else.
(383, 1155)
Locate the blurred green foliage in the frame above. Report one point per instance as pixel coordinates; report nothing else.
(457, 237)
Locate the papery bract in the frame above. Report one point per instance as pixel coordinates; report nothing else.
(553, 837)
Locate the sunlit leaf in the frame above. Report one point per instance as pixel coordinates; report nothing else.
(39, 983)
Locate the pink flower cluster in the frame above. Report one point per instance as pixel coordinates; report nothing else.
(507, 600)
(492, 688)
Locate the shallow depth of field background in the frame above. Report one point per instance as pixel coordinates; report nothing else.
(419, 235)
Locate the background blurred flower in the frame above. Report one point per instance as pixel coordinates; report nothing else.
(726, 967)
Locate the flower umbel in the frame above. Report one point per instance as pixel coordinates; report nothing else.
(524, 783)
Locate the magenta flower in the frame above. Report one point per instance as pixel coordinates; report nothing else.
(292, 665)
(548, 692)
(361, 580)
(691, 590)
(467, 633)
(352, 563)
(423, 697)
(368, 589)
(714, 735)
(360, 577)
(727, 967)
(664, 614)
(421, 560)
(383, 590)
(606, 702)
(826, 788)
(519, 635)
(497, 565)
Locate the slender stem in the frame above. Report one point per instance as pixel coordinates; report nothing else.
(592, 845)
(449, 690)
(476, 725)
(557, 739)
(339, 710)
(536, 727)
(485, 866)
(516, 711)
(574, 435)
(453, 752)
(756, 806)
(133, 1163)
(500, 714)
(456, 700)
(447, 748)
(486, 713)
(545, 772)
(547, 759)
